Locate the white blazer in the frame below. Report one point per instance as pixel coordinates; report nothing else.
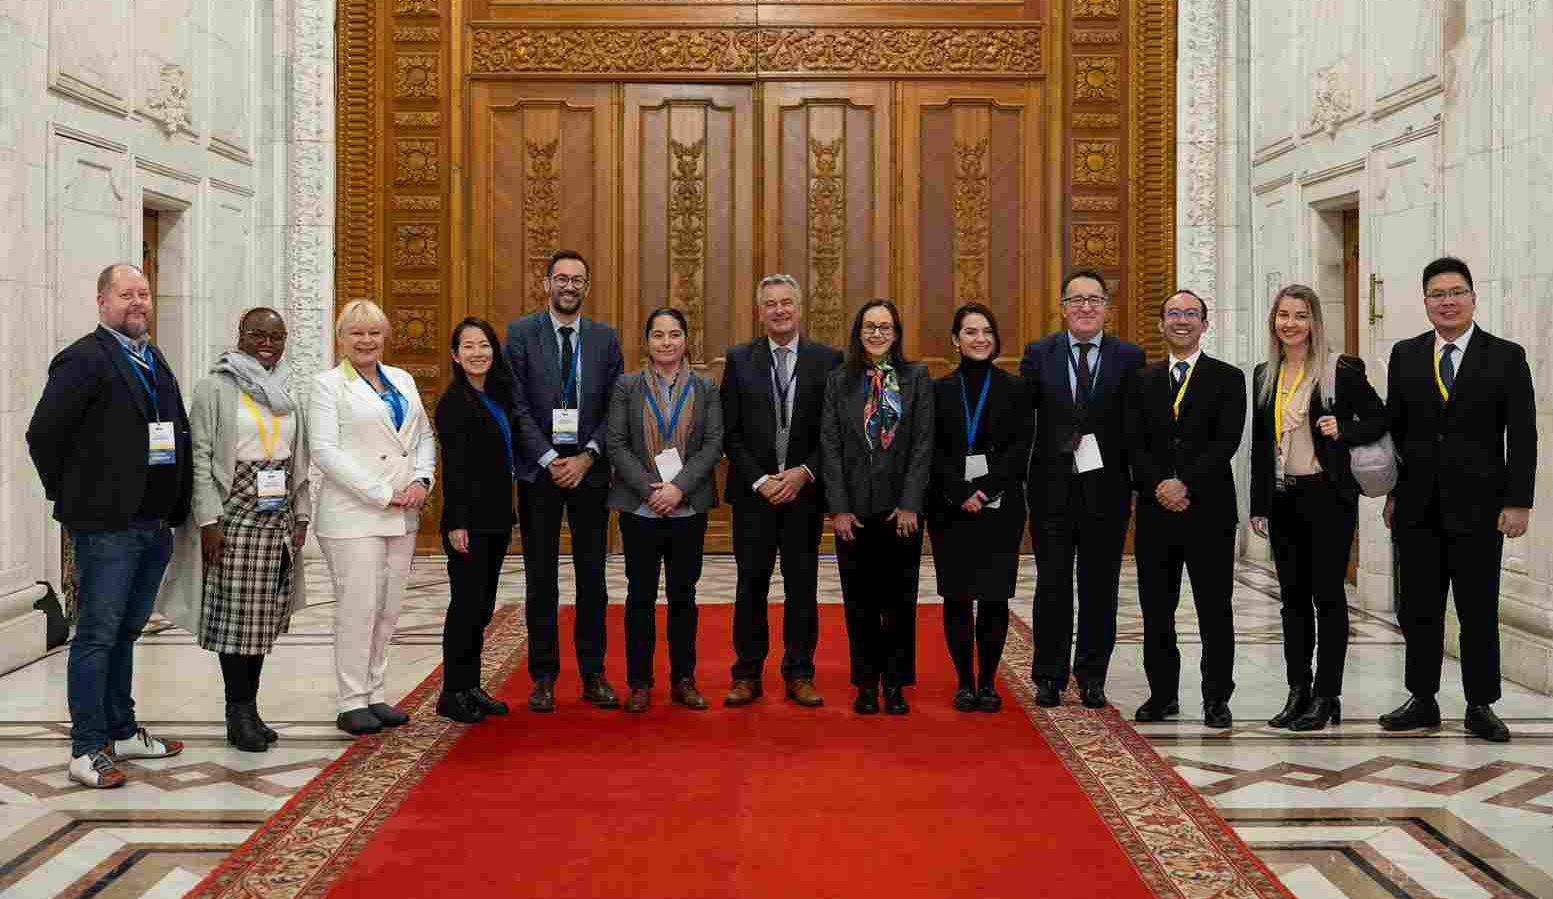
(363, 459)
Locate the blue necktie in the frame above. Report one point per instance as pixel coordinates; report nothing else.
(1447, 367)
(1181, 368)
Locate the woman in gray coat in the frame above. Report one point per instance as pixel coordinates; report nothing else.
(665, 437)
(236, 584)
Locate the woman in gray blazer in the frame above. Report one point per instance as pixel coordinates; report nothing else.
(665, 437)
(876, 446)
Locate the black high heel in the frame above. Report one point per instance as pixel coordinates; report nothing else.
(1299, 700)
(1322, 710)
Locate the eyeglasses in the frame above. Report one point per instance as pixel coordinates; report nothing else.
(884, 330)
(271, 337)
(577, 281)
(1183, 315)
(1084, 302)
(1454, 293)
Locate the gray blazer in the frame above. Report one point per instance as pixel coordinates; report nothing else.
(864, 480)
(634, 470)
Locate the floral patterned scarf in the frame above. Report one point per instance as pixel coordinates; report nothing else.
(882, 410)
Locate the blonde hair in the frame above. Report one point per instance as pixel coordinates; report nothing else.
(358, 310)
(1315, 357)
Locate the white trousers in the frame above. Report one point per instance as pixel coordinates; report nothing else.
(369, 576)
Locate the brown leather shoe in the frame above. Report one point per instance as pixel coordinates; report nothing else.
(744, 691)
(638, 699)
(686, 694)
(596, 689)
(542, 697)
(801, 690)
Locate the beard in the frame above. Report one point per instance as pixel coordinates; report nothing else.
(565, 303)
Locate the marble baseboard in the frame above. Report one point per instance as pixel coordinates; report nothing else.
(23, 639)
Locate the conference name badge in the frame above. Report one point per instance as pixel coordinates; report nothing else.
(669, 464)
(1087, 456)
(164, 445)
(976, 467)
(272, 491)
(563, 427)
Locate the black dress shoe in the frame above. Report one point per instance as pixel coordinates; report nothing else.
(1416, 713)
(596, 689)
(390, 716)
(1322, 709)
(1217, 714)
(489, 705)
(867, 702)
(1092, 695)
(988, 700)
(1482, 722)
(1293, 707)
(1047, 694)
(1157, 710)
(460, 706)
(542, 697)
(358, 722)
(895, 701)
(965, 700)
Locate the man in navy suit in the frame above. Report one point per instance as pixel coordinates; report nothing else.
(1464, 420)
(1079, 490)
(564, 367)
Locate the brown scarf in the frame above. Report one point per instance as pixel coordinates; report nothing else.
(684, 380)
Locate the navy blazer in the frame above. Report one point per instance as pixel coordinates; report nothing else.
(749, 414)
(1045, 370)
(88, 435)
(536, 370)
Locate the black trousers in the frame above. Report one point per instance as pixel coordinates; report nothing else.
(540, 506)
(675, 545)
(978, 629)
(472, 579)
(1095, 543)
(1164, 544)
(1311, 530)
(240, 676)
(759, 530)
(1433, 563)
(879, 573)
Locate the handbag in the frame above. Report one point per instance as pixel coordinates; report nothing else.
(1374, 465)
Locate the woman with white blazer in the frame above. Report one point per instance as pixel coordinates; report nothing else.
(370, 437)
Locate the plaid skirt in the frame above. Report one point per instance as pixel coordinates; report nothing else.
(247, 595)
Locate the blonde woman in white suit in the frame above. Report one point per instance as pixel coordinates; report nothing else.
(370, 437)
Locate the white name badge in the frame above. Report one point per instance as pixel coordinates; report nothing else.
(164, 446)
(669, 464)
(563, 427)
(272, 491)
(976, 467)
(1087, 456)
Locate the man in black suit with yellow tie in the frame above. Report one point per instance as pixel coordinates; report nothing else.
(1463, 417)
(1185, 420)
(1079, 491)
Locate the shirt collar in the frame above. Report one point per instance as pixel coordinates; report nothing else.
(129, 343)
(1191, 361)
(556, 324)
(1460, 342)
(791, 344)
(1094, 341)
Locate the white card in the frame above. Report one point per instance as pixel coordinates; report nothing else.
(1087, 456)
(976, 467)
(272, 490)
(669, 464)
(563, 427)
(163, 444)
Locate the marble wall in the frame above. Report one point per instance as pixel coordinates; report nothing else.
(218, 114)
(1427, 116)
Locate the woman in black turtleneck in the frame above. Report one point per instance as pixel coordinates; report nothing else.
(977, 517)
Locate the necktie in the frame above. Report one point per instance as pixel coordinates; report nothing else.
(1179, 376)
(568, 369)
(1447, 367)
(1085, 384)
(783, 386)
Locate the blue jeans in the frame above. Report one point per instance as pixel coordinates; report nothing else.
(118, 573)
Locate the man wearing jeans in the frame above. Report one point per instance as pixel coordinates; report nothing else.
(110, 440)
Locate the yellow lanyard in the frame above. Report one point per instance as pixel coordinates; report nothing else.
(267, 438)
(1175, 407)
(1439, 381)
(1282, 397)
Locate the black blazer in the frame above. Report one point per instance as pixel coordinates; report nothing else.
(861, 479)
(634, 468)
(1045, 371)
(1479, 450)
(1361, 419)
(1199, 447)
(1003, 435)
(749, 414)
(476, 483)
(88, 435)
(536, 369)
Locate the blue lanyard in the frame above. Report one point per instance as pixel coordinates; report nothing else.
(394, 399)
(679, 406)
(499, 413)
(569, 378)
(149, 385)
(973, 420)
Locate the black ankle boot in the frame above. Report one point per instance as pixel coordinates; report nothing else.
(270, 736)
(1299, 700)
(1321, 710)
(242, 727)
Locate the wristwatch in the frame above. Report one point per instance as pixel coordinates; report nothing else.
(424, 482)
(591, 452)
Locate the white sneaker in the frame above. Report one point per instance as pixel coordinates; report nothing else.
(96, 770)
(144, 746)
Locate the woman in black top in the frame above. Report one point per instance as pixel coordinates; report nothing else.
(977, 515)
(876, 447)
(474, 423)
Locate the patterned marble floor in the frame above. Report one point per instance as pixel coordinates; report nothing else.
(1349, 812)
